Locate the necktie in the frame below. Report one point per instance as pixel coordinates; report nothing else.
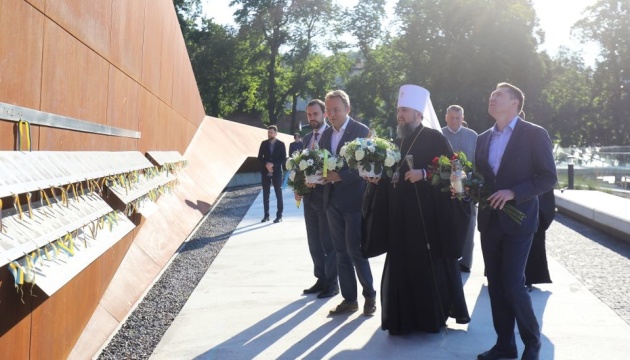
(314, 146)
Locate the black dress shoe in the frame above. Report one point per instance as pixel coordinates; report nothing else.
(318, 287)
(265, 219)
(495, 354)
(329, 291)
(277, 220)
(462, 320)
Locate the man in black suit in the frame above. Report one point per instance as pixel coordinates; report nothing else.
(516, 160)
(343, 196)
(272, 154)
(296, 145)
(317, 230)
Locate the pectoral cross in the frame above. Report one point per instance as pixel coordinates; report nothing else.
(395, 177)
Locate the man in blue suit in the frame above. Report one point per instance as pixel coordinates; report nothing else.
(343, 196)
(272, 155)
(516, 160)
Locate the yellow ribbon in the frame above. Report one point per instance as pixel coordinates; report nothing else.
(43, 196)
(30, 209)
(27, 130)
(17, 205)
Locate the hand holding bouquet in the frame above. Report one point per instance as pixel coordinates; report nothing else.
(442, 171)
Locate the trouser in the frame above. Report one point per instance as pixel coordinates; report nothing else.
(320, 243)
(345, 229)
(505, 257)
(276, 179)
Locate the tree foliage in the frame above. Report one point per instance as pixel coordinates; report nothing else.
(285, 50)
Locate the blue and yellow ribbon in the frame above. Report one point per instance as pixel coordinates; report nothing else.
(27, 131)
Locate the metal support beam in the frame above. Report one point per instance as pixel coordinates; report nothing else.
(35, 117)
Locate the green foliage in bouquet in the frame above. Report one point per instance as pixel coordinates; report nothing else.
(309, 162)
(371, 152)
(440, 175)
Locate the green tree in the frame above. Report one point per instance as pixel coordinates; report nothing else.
(567, 100)
(227, 73)
(607, 22)
(460, 49)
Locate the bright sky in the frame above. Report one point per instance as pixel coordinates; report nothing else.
(556, 18)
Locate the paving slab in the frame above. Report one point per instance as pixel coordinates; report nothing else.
(249, 306)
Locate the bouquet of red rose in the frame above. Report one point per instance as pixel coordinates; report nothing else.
(445, 172)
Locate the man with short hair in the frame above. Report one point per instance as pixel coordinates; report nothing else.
(516, 160)
(296, 145)
(463, 139)
(272, 155)
(317, 231)
(343, 196)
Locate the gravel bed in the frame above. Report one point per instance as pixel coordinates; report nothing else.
(145, 326)
(599, 261)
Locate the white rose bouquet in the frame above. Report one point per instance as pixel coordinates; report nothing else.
(309, 166)
(371, 156)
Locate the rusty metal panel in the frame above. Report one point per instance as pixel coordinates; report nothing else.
(61, 318)
(123, 100)
(88, 21)
(15, 327)
(148, 121)
(127, 36)
(132, 277)
(74, 78)
(20, 69)
(168, 52)
(39, 4)
(152, 46)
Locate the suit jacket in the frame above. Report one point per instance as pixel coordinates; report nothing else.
(278, 158)
(349, 191)
(295, 146)
(527, 168)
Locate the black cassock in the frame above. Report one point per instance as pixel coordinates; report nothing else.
(537, 270)
(417, 290)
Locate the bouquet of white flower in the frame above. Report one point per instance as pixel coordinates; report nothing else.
(371, 156)
(309, 166)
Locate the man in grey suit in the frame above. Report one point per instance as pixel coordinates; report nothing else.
(343, 196)
(516, 160)
(317, 230)
(463, 139)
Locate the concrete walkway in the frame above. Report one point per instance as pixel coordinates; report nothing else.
(249, 306)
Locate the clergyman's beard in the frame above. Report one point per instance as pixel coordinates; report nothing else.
(405, 129)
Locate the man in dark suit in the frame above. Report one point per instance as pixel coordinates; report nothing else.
(516, 160)
(343, 195)
(272, 154)
(296, 145)
(317, 230)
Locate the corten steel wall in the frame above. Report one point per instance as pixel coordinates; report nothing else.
(121, 63)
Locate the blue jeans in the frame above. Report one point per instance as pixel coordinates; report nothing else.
(345, 229)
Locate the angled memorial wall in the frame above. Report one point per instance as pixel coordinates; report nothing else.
(110, 76)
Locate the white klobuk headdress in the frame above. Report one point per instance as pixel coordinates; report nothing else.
(418, 98)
